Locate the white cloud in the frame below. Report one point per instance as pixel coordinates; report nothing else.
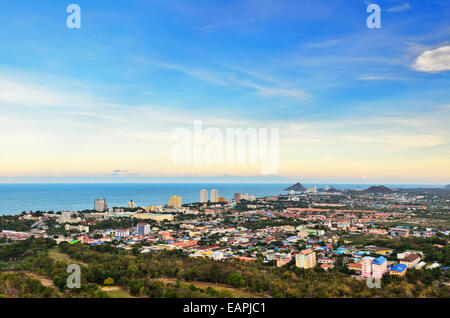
(437, 60)
(405, 6)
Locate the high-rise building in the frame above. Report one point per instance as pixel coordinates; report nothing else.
(379, 267)
(306, 259)
(366, 266)
(131, 204)
(100, 205)
(203, 196)
(214, 197)
(237, 197)
(143, 228)
(175, 201)
(373, 267)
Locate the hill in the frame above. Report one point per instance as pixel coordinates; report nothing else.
(298, 187)
(379, 190)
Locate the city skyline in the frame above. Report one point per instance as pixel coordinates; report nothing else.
(99, 104)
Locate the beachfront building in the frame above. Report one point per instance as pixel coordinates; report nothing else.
(203, 196)
(214, 196)
(175, 201)
(100, 205)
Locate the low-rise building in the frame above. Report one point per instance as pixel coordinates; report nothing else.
(143, 228)
(398, 270)
(410, 260)
(154, 216)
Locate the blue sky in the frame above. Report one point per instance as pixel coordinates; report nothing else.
(353, 104)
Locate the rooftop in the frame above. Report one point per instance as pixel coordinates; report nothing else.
(378, 261)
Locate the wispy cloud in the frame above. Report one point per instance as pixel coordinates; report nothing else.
(325, 44)
(403, 7)
(228, 79)
(31, 94)
(380, 78)
(125, 172)
(275, 92)
(196, 73)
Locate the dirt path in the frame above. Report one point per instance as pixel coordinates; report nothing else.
(111, 288)
(46, 281)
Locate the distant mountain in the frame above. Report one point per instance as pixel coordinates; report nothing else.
(332, 189)
(447, 186)
(379, 190)
(296, 187)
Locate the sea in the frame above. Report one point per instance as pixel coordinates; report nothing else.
(16, 198)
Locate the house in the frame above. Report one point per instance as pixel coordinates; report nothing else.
(121, 233)
(420, 265)
(326, 260)
(355, 267)
(217, 255)
(398, 270)
(410, 260)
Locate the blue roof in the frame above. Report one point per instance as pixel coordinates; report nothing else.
(380, 260)
(399, 268)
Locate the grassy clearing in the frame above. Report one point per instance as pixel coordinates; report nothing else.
(57, 255)
(116, 292)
